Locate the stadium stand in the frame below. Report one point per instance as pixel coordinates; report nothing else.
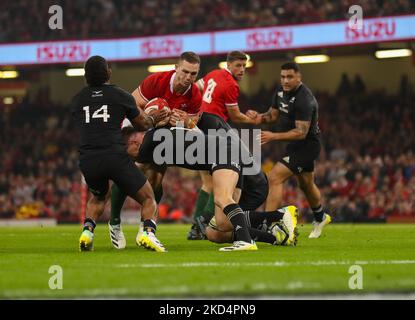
(366, 171)
(126, 18)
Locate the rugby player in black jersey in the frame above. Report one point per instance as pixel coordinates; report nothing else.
(98, 110)
(296, 109)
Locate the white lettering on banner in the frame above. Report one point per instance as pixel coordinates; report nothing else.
(63, 52)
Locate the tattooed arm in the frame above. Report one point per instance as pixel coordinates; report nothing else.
(298, 133)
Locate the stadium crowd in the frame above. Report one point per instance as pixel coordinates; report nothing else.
(121, 18)
(366, 170)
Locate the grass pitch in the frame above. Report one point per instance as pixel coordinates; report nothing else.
(193, 269)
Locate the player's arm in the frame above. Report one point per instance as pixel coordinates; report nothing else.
(237, 116)
(186, 119)
(298, 133)
(140, 101)
(270, 116)
(146, 121)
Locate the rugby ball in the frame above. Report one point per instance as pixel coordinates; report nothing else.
(156, 104)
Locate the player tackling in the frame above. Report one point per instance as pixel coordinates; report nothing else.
(98, 109)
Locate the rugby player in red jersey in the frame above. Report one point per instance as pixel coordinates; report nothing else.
(220, 104)
(178, 88)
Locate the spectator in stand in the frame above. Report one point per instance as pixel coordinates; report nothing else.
(125, 18)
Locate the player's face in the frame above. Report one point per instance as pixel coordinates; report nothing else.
(186, 73)
(134, 143)
(290, 79)
(237, 68)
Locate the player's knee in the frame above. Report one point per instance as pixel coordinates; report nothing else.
(222, 200)
(274, 178)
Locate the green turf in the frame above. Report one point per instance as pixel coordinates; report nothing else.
(197, 269)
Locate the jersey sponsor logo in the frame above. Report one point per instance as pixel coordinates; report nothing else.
(292, 100)
(97, 94)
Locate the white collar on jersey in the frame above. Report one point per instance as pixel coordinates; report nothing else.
(171, 84)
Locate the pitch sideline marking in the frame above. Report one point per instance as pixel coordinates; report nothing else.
(265, 264)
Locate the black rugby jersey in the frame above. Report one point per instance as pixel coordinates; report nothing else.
(98, 113)
(299, 104)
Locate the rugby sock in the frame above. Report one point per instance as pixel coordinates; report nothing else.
(210, 205)
(257, 218)
(158, 194)
(150, 226)
(262, 236)
(117, 201)
(318, 213)
(89, 224)
(201, 201)
(236, 216)
(209, 210)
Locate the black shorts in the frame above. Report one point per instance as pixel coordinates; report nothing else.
(212, 121)
(300, 156)
(99, 169)
(254, 192)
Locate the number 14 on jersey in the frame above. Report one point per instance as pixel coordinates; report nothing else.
(101, 113)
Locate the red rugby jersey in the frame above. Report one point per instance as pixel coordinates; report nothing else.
(160, 85)
(220, 91)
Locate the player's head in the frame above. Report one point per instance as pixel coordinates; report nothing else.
(97, 71)
(236, 63)
(133, 139)
(187, 68)
(290, 76)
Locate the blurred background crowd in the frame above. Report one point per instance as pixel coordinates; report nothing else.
(119, 18)
(366, 170)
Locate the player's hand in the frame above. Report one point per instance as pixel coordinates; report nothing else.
(161, 118)
(178, 116)
(265, 137)
(254, 116)
(251, 114)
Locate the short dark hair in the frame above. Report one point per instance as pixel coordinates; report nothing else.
(190, 57)
(236, 55)
(290, 66)
(96, 71)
